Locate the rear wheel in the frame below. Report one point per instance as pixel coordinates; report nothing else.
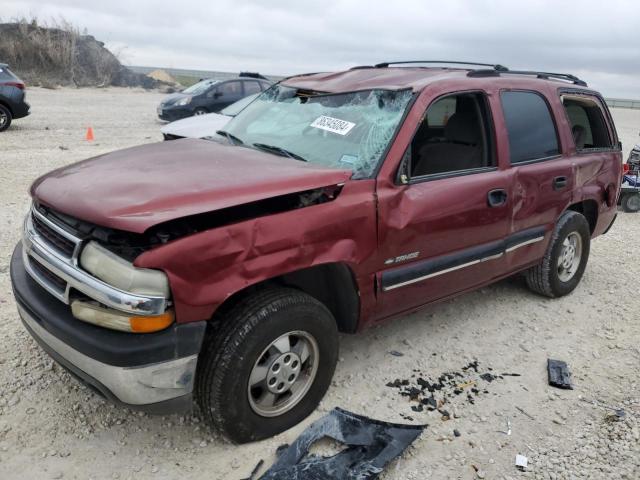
(268, 366)
(630, 202)
(562, 267)
(200, 111)
(5, 118)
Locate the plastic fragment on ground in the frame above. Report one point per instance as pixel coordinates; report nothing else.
(369, 446)
(559, 375)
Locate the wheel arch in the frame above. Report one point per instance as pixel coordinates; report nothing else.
(589, 209)
(332, 284)
(7, 106)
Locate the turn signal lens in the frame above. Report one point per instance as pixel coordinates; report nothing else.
(108, 318)
(151, 324)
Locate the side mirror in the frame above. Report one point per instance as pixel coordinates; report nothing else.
(217, 94)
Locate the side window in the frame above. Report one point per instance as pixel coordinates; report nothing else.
(588, 125)
(230, 89)
(454, 136)
(251, 87)
(532, 134)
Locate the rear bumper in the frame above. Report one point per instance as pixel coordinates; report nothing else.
(21, 109)
(152, 372)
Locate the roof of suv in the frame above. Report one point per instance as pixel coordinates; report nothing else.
(415, 78)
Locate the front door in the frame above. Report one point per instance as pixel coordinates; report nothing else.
(443, 231)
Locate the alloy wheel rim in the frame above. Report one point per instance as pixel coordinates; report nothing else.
(283, 373)
(199, 112)
(570, 257)
(3, 119)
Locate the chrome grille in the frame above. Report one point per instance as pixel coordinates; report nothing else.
(51, 258)
(51, 236)
(49, 275)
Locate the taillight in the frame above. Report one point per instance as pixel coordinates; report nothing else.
(19, 85)
(625, 168)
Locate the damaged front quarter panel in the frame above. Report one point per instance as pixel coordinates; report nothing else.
(208, 267)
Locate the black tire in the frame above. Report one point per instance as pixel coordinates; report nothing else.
(227, 360)
(544, 278)
(5, 118)
(630, 202)
(200, 111)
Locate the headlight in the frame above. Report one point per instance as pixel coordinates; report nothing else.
(119, 273)
(183, 101)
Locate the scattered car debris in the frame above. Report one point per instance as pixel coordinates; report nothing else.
(254, 472)
(559, 375)
(616, 416)
(396, 353)
(447, 386)
(521, 462)
(456, 432)
(370, 446)
(508, 430)
(521, 410)
(479, 472)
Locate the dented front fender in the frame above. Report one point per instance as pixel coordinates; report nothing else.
(208, 267)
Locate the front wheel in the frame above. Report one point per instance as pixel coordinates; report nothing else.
(563, 264)
(200, 111)
(268, 366)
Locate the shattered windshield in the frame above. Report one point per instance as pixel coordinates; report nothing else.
(346, 130)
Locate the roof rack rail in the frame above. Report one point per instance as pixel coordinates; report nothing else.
(543, 75)
(252, 75)
(496, 67)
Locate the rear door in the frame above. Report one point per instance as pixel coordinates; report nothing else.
(542, 183)
(442, 225)
(226, 94)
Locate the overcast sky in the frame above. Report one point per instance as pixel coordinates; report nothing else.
(597, 40)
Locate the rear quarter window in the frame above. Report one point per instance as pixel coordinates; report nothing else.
(588, 125)
(532, 133)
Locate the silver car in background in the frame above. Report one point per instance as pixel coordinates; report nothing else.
(202, 126)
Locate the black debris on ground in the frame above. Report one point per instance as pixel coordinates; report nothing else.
(369, 447)
(559, 375)
(469, 383)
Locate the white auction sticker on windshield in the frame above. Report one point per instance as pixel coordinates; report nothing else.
(334, 125)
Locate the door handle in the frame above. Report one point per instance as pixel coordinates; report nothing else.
(559, 183)
(497, 197)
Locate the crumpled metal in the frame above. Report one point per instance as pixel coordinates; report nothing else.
(370, 446)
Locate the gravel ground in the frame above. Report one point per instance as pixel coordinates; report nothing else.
(51, 427)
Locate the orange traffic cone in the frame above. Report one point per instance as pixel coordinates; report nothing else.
(89, 136)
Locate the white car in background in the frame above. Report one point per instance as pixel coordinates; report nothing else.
(201, 126)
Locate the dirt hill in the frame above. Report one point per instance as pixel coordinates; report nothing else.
(60, 55)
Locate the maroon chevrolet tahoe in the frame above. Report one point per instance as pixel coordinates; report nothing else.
(222, 270)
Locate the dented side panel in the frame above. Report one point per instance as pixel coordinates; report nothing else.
(207, 268)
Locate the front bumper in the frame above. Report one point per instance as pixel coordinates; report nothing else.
(153, 372)
(173, 113)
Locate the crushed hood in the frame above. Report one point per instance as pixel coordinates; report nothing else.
(137, 188)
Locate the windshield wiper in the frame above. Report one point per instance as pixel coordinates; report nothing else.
(232, 138)
(280, 151)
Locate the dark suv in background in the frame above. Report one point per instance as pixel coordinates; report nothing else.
(210, 96)
(12, 95)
